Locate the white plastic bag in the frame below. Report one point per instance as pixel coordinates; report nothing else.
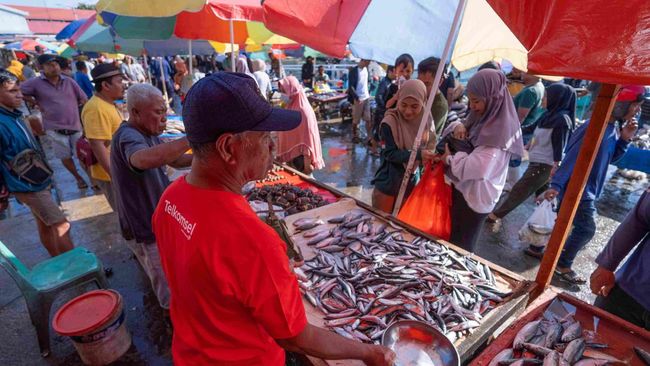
(537, 230)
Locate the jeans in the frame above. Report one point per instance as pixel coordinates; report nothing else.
(619, 303)
(534, 179)
(584, 228)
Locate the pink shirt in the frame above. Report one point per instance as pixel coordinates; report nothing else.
(59, 104)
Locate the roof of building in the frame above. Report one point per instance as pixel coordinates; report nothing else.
(12, 21)
(60, 14)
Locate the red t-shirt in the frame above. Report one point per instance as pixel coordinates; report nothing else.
(232, 292)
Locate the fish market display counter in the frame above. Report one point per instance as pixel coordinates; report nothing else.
(557, 327)
(363, 270)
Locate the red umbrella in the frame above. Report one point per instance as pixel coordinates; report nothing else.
(593, 40)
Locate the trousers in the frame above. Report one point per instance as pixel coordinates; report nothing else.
(584, 229)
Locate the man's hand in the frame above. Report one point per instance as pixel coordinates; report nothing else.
(460, 132)
(380, 356)
(602, 281)
(556, 165)
(628, 131)
(550, 194)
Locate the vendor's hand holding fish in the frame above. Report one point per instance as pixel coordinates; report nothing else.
(602, 281)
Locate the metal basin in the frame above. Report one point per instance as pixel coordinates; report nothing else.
(419, 344)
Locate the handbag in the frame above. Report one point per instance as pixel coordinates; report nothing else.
(30, 164)
(85, 152)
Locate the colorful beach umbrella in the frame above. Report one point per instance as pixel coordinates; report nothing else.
(30, 45)
(69, 29)
(376, 30)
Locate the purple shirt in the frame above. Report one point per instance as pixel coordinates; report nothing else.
(634, 232)
(59, 103)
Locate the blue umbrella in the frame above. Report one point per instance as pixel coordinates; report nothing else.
(69, 29)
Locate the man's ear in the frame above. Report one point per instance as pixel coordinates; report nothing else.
(225, 147)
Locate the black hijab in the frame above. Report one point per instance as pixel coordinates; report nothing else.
(560, 101)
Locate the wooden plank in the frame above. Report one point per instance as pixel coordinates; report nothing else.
(616, 332)
(575, 187)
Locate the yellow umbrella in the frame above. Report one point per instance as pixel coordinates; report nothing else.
(149, 8)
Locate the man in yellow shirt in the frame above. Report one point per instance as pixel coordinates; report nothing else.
(101, 119)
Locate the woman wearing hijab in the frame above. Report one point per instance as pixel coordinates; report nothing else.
(397, 131)
(493, 132)
(546, 150)
(300, 146)
(262, 78)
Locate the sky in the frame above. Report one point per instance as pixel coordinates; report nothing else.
(48, 3)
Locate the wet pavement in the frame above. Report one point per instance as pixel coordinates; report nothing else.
(349, 168)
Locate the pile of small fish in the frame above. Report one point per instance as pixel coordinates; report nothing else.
(291, 198)
(366, 275)
(554, 342)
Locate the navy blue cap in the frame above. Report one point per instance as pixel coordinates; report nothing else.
(228, 102)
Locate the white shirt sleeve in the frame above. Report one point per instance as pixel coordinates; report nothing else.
(480, 176)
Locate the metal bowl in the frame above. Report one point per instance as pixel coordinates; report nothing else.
(418, 344)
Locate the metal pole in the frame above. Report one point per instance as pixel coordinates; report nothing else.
(427, 108)
(164, 82)
(232, 46)
(190, 49)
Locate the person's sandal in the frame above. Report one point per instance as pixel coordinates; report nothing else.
(82, 184)
(534, 252)
(571, 277)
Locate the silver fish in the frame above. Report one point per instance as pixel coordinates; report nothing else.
(590, 362)
(501, 356)
(552, 359)
(643, 355)
(572, 332)
(319, 237)
(537, 350)
(527, 332)
(553, 333)
(574, 351)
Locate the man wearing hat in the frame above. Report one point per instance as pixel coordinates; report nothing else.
(58, 97)
(100, 120)
(234, 299)
(621, 128)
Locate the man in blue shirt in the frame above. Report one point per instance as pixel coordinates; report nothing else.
(612, 148)
(15, 137)
(81, 77)
(627, 293)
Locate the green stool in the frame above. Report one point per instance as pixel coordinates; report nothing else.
(47, 279)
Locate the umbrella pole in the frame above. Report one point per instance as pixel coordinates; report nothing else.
(164, 82)
(232, 46)
(576, 185)
(427, 108)
(190, 50)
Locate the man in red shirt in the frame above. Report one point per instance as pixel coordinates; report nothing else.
(234, 300)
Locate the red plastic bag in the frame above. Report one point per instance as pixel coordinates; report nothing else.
(428, 208)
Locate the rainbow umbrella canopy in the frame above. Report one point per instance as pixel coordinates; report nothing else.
(93, 37)
(418, 28)
(189, 19)
(30, 45)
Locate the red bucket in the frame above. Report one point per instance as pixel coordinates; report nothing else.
(95, 321)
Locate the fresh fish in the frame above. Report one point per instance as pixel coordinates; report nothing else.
(592, 353)
(572, 332)
(527, 332)
(552, 359)
(304, 220)
(643, 355)
(307, 225)
(591, 362)
(506, 354)
(520, 362)
(553, 334)
(537, 350)
(319, 237)
(314, 232)
(574, 351)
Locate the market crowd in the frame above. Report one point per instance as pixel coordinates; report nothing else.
(244, 304)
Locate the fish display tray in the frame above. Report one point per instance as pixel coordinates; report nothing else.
(290, 176)
(619, 334)
(466, 345)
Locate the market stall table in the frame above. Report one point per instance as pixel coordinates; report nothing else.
(323, 103)
(619, 335)
(466, 345)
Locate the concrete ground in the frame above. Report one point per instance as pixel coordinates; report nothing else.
(94, 226)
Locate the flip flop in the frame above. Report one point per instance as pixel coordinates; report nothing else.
(534, 253)
(571, 277)
(82, 185)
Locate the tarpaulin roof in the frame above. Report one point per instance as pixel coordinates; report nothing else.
(601, 40)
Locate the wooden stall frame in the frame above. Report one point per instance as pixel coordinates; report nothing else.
(494, 323)
(575, 187)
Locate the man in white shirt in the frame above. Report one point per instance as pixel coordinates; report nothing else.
(358, 95)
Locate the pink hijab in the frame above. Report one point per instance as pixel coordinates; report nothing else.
(304, 139)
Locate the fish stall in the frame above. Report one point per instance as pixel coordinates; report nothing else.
(559, 329)
(363, 270)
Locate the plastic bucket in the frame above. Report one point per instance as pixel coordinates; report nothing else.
(95, 321)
